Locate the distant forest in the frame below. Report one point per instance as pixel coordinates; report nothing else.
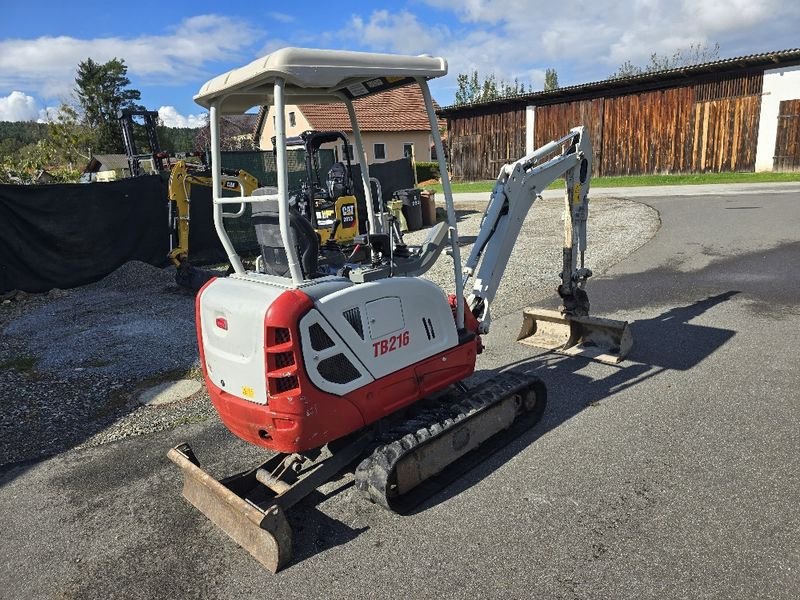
(16, 135)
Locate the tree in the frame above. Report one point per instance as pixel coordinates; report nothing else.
(472, 89)
(550, 79)
(70, 139)
(682, 57)
(232, 136)
(101, 90)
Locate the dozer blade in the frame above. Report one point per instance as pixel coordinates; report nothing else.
(606, 340)
(264, 533)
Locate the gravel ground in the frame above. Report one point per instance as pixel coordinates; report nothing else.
(616, 228)
(72, 362)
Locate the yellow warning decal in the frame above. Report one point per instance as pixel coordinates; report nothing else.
(576, 194)
(248, 392)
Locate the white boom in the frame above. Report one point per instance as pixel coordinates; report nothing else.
(518, 186)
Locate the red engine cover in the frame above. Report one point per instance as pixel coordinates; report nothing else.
(298, 416)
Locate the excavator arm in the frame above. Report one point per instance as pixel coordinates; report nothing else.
(519, 185)
(181, 179)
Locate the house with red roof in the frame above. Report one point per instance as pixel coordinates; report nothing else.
(393, 125)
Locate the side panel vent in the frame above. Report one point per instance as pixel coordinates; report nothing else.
(281, 335)
(319, 339)
(429, 331)
(338, 369)
(353, 316)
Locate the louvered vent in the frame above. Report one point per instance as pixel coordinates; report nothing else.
(353, 316)
(338, 369)
(429, 331)
(284, 384)
(283, 359)
(319, 339)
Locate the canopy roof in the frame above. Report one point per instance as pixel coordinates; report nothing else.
(315, 76)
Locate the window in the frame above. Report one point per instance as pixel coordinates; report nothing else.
(347, 152)
(380, 151)
(292, 119)
(408, 150)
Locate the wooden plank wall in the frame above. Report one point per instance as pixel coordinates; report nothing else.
(704, 126)
(787, 142)
(479, 145)
(556, 120)
(647, 133)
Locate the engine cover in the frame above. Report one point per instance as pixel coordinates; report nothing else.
(293, 368)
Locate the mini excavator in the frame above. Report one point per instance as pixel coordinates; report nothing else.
(183, 176)
(367, 367)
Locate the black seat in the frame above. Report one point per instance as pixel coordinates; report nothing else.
(273, 252)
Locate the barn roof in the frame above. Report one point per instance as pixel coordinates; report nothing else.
(635, 83)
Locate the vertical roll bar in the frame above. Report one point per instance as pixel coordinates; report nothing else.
(283, 184)
(448, 198)
(362, 158)
(216, 190)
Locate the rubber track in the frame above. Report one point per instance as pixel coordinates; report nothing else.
(435, 418)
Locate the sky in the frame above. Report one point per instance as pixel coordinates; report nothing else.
(172, 48)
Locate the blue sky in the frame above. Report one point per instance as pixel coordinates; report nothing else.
(172, 48)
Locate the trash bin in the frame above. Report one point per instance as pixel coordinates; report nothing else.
(412, 207)
(428, 207)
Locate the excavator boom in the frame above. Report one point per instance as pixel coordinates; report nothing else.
(519, 185)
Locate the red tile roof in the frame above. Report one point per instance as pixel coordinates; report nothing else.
(399, 109)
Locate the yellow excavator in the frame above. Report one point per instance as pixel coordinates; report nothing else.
(330, 202)
(181, 179)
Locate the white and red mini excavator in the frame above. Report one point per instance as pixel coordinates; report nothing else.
(330, 365)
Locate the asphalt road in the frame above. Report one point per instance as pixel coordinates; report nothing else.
(674, 476)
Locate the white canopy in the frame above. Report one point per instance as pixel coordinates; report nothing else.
(315, 76)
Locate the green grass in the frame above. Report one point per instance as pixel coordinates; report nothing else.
(23, 364)
(645, 180)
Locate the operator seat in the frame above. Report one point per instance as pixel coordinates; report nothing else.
(268, 232)
(337, 180)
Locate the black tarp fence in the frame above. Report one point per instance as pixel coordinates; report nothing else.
(66, 235)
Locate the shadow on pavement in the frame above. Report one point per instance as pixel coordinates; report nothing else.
(667, 342)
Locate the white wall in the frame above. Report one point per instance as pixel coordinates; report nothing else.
(530, 128)
(779, 84)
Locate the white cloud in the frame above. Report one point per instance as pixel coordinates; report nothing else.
(281, 17)
(18, 106)
(396, 32)
(49, 113)
(47, 64)
(170, 117)
(515, 37)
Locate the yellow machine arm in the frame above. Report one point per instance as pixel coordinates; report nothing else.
(181, 179)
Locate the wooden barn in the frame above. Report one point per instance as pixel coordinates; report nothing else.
(738, 114)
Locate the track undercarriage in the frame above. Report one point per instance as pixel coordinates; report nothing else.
(403, 461)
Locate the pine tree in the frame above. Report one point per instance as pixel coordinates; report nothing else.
(102, 91)
(550, 79)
